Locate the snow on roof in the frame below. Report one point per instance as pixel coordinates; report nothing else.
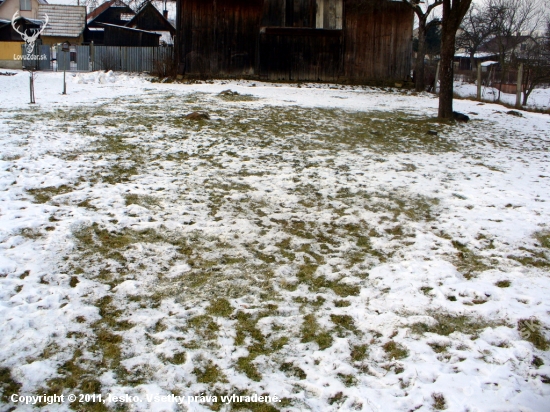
(488, 63)
(478, 55)
(64, 21)
(33, 21)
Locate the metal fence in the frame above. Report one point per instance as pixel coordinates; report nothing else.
(91, 58)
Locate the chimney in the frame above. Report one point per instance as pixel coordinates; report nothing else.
(165, 14)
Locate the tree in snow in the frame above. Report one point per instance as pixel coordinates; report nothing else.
(474, 31)
(453, 14)
(423, 10)
(536, 60)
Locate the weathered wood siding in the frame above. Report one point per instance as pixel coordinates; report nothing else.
(219, 37)
(295, 39)
(378, 42)
(300, 54)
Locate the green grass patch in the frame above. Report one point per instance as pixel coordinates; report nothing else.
(467, 261)
(544, 239)
(8, 385)
(292, 370)
(209, 373)
(359, 352)
(395, 350)
(220, 307)
(312, 332)
(503, 283)
(438, 401)
(449, 323)
(306, 275)
(45, 194)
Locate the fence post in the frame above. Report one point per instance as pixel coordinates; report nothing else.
(92, 54)
(479, 81)
(519, 86)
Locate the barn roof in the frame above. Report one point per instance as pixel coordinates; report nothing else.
(97, 11)
(64, 21)
(149, 7)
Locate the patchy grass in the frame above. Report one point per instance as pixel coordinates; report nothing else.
(312, 332)
(395, 350)
(544, 239)
(503, 283)
(531, 331)
(141, 200)
(274, 216)
(292, 370)
(45, 194)
(8, 385)
(439, 402)
(467, 261)
(449, 323)
(209, 373)
(359, 353)
(220, 307)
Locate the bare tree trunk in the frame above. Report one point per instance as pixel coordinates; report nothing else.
(472, 60)
(453, 13)
(446, 73)
(419, 65)
(519, 85)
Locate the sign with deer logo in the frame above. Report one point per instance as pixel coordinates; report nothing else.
(30, 40)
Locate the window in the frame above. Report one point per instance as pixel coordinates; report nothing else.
(319, 14)
(25, 5)
(329, 14)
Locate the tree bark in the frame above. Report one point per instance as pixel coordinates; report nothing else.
(419, 65)
(446, 74)
(452, 17)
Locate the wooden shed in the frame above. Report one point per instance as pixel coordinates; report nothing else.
(296, 40)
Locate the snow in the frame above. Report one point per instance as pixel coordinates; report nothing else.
(538, 99)
(303, 206)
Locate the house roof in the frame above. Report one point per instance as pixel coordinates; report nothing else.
(149, 7)
(111, 3)
(508, 43)
(31, 21)
(64, 21)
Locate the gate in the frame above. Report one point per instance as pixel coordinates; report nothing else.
(63, 59)
(45, 63)
(83, 58)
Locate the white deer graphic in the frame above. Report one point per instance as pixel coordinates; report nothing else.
(30, 40)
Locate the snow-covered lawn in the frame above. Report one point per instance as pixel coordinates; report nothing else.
(539, 99)
(312, 243)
